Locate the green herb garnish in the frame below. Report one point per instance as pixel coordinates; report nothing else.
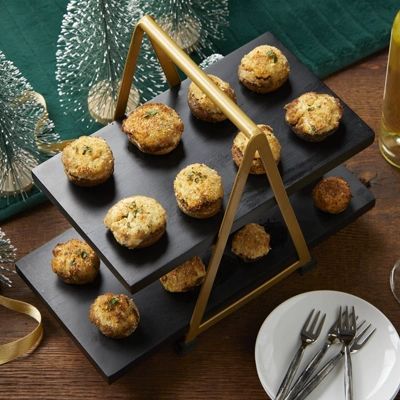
(271, 54)
(135, 210)
(313, 129)
(196, 176)
(150, 113)
(310, 108)
(84, 254)
(86, 149)
(113, 302)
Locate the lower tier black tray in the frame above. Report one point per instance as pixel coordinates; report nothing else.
(165, 316)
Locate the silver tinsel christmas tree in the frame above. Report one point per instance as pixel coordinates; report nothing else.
(23, 127)
(194, 24)
(92, 47)
(7, 259)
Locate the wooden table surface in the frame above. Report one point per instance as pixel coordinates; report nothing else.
(356, 260)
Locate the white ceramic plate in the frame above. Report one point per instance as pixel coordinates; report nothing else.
(376, 368)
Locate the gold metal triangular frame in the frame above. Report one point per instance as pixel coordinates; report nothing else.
(170, 57)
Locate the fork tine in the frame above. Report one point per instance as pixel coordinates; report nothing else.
(346, 319)
(321, 324)
(311, 328)
(353, 319)
(340, 318)
(308, 320)
(336, 324)
(367, 338)
(360, 325)
(359, 344)
(359, 336)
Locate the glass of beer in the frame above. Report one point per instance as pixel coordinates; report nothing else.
(389, 135)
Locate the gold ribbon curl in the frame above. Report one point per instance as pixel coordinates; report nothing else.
(12, 350)
(47, 148)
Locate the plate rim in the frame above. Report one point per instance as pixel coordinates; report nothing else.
(311, 292)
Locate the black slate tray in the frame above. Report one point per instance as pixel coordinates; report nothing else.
(165, 316)
(138, 173)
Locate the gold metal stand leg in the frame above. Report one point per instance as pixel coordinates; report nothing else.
(258, 143)
(171, 55)
(129, 72)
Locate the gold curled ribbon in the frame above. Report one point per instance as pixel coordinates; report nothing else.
(46, 148)
(17, 348)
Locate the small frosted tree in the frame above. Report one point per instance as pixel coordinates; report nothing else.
(194, 24)
(23, 127)
(91, 53)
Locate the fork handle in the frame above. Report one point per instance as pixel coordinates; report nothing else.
(291, 372)
(318, 377)
(307, 372)
(348, 375)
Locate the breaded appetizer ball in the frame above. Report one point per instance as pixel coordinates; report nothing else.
(154, 128)
(202, 107)
(116, 315)
(264, 69)
(88, 161)
(332, 195)
(184, 277)
(251, 243)
(136, 221)
(314, 116)
(239, 147)
(199, 191)
(75, 262)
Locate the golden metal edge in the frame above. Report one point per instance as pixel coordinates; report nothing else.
(170, 55)
(249, 296)
(257, 142)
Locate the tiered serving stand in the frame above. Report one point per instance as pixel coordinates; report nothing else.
(283, 204)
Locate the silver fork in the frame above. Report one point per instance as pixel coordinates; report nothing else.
(332, 337)
(357, 345)
(347, 332)
(308, 335)
(304, 377)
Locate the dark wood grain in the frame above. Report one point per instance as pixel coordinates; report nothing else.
(357, 260)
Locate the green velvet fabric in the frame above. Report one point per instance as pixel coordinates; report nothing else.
(326, 35)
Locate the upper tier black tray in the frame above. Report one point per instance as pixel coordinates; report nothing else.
(138, 173)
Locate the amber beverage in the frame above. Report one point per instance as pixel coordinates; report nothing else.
(389, 137)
